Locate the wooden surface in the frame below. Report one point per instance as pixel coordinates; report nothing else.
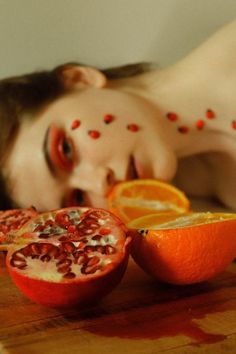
(141, 316)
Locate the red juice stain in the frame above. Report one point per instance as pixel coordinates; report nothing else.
(167, 318)
(156, 328)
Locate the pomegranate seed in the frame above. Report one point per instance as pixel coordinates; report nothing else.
(69, 275)
(133, 127)
(97, 237)
(35, 256)
(49, 222)
(109, 249)
(89, 249)
(183, 129)
(45, 247)
(68, 247)
(92, 261)
(100, 249)
(75, 124)
(104, 231)
(34, 248)
(71, 229)
(200, 124)
(39, 227)
(61, 256)
(108, 118)
(45, 258)
(234, 124)
(94, 134)
(210, 114)
(172, 116)
(18, 255)
(89, 270)
(82, 259)
(44, 236)
(26, 251)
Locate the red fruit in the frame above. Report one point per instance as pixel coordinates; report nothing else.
(64, 269)
(12, 220)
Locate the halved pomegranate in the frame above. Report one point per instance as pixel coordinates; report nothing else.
(12, 220)
(69, 257)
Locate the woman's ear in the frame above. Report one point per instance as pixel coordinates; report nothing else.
(76, 77)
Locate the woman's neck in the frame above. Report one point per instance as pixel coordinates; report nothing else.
(188, 104)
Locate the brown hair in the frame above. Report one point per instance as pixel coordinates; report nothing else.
(29, 93)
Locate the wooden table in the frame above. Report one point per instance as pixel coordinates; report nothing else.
(141, 316)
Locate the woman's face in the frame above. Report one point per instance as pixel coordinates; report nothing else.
(80, 145)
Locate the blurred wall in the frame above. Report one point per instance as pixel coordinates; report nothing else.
(36, 34)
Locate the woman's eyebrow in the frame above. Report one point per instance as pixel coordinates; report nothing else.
(46, 154)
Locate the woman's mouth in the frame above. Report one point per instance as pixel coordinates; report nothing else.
(132, 172)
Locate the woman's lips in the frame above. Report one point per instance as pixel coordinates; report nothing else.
(135, 170)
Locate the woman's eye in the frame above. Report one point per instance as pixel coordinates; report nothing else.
(61, 149)
(66, 149)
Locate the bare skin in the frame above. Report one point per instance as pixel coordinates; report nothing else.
(199, 157)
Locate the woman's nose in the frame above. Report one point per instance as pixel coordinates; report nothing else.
(104, 180)
(97, 180)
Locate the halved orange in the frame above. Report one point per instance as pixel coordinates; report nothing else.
(132, 199)
(184, 249)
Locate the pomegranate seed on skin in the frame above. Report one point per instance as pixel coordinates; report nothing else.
(108, 118)
(200, 124)
(210, 114)
(94, 134)
(234, 124)
(183, 129)
(75, 124)
(172, 116)
(133, 127)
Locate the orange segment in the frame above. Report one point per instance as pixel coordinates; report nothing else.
(184, 249)
(131, 199)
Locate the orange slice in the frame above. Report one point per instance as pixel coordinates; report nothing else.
(184, 249)
(132, 199)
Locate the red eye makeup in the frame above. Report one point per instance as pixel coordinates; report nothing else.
(59, 150)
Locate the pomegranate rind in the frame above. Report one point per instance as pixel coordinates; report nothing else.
(70, 292)
(158, 260)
